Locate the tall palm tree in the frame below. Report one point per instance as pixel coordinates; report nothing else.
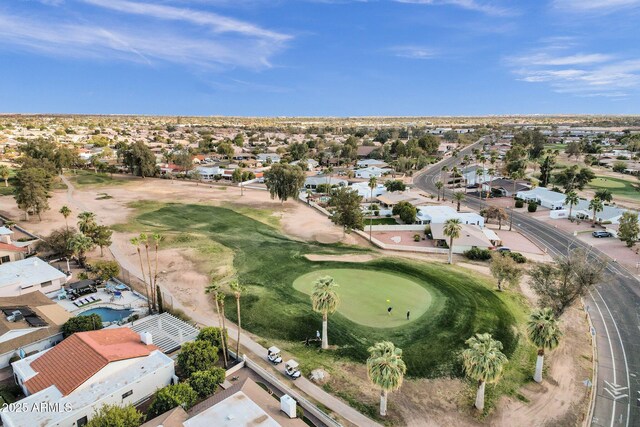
(480, 172)
(459, 197)
(237, 290)
(373, 182)
(604, 194)
(214, 290)
(135, 241)
(4, 174)
(86, 222)
(515, 176)
(572, 200)
(452, 230)
(596, 206)
(491, 172)
(329, 172)
(483, 361)
(144, 240)
(385, 369)
(439, 186)
(79, 245)
(325, 300)
(157, 238)
(544, 333)
(65, 211)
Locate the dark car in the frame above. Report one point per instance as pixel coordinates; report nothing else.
(599, 234)
(503, 249)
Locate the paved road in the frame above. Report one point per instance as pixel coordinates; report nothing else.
(614, 306)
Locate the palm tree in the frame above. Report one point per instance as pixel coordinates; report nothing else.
(459, 197)
(544, 333)
(442, 173)
(135, 241)
(571, 199)
(452, 230)
(65, 211)
(596, 206)
(515, 176)
(329, 172)
(157, 238)
(491, 172)
(80, 245)
(4, 174)
(439, 186)
(386, 370)
(373, 182)
(325, 300)
(483, 361)
(214, 289)
(86, 222)
(238, 289)
(604, 194)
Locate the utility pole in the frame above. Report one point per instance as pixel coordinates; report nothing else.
(510, 218)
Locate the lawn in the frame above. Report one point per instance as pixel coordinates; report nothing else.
(618, 187)
(8, 190)
(365, 296)
(84, 178)
(461, 304)
(380, 221)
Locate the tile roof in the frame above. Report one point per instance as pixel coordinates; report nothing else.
(76, 359)
(11, 248)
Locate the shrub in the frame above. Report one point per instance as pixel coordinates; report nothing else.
(91, 322)
(532, 207)
(427, 229)
(416, 237)
(116, 416)
(197, 356)
(205, 382)
(211, 334)
(519, 203)
(517, 257)
(478, 254)
(172, 396)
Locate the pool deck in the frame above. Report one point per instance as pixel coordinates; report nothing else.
(128, 300)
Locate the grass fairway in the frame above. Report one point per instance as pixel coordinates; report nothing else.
(269, 263)
(365, 296)
(83, 178)
(618, 187)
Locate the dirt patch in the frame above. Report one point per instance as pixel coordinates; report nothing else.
(341, 258)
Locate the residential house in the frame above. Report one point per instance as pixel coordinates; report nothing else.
(10, 252)
(371, 162)
(371, 171)
(544, 197)
(29, 323)
(365, 150)
(268, 158)
(439, 214)
(609, 214)
(208, 173)
(505, 187)
(245, 404)
(312, 182)
(471, 236)
(72, 380)
(365, 192)
(29, 275)
(390, 199)
(471, 175)
(306, 164)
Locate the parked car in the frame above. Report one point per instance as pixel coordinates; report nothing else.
(599, 234)
(503, 249)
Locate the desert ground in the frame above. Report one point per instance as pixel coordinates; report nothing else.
(560, 400)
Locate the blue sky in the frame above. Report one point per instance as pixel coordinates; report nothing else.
(320, 57)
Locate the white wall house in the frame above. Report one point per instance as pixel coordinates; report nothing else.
(610, 214)
(440, 215)
(209, 172)
(544, 197)
(471, 175)
(268, 158)
(29, 275)
(365, 163)
(371, 171)
(70, 381)
(364, 190)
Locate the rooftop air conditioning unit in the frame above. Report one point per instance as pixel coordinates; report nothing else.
(15, 316)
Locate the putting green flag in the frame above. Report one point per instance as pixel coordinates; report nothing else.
(388, 300)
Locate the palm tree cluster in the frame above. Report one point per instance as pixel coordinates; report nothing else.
(149, 277)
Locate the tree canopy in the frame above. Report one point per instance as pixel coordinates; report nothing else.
(629, 228)
(284, 181)
(116, 416)
(345, 209)
(81, 323)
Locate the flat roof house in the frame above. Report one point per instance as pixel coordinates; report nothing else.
(544, 197)
(609, 214)
(471, 236)
(312, 182)
(505, 187)
(28, 324)
(70, 381)
(29, 275)
(371, 171)
(440, 215)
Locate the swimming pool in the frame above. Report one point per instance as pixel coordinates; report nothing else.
(108, 314)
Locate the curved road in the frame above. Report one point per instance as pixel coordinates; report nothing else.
(614, 306)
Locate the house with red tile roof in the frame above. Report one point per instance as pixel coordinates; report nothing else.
(86, 371)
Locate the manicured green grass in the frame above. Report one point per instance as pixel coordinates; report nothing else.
(83, 178)
(381, 221)
(365, 296)
(8, 190)
(618, 187)
(560, 147)
(269, 263)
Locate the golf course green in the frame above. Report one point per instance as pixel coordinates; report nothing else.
(448, 304)
(366, 295)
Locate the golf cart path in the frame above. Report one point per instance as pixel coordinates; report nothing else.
(255, 350)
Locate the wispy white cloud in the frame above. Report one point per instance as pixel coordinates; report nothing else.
(144, 42)
(413, 52)
(584, 74)
(473, 5)
(599, 6)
